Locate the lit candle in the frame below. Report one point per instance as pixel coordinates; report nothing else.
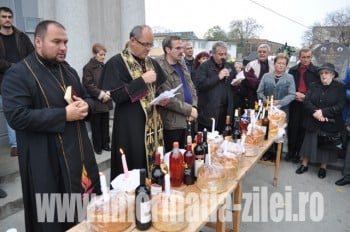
(213, 125)
(167, 184)
(125, 165)
(104, 188)
(271, 101)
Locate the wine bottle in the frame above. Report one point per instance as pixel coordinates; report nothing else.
(227, 133)
(143, 216)
(157, 177)
(205, 142)
(236, 135)
(176, 166)
(265, 123)
(189, 163)
(199, 153)
(189, 130)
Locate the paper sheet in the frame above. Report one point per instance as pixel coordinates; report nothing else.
(166, 94)
(240, 76)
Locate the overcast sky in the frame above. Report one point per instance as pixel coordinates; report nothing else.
(201, 15)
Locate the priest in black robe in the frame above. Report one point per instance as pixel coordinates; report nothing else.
(56, 157)
(134, 79)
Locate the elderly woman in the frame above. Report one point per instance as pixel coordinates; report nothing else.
(278, 84)
(323, 105)
(281, 86)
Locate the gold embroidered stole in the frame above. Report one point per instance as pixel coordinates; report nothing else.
(153, 125)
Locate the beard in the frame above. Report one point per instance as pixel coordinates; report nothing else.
(7, 26)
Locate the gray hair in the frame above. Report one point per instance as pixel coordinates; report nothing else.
(265, 46)
(186, 43)
(219, 44)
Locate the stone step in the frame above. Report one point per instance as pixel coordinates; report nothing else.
(11, 183)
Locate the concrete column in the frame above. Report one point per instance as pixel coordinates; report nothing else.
(74, 17)
(132, 14)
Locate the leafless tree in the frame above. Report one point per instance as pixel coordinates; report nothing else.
(243, 30)
(335, 28)
(216, 33)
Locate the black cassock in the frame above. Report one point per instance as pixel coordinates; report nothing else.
(52, 151)
(129, 117)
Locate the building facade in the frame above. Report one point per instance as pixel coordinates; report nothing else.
(86, 22)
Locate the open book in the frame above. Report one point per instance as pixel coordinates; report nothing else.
(166, 94)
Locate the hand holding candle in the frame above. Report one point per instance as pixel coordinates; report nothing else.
(125, 165)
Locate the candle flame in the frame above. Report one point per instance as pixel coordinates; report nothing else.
(100, 173)
(121, 151)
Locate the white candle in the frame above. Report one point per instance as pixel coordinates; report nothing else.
(104, 188)
(271, 101)
(225, 146)
(213, 125)
(125, 165)
(167, 184)
(208, 156)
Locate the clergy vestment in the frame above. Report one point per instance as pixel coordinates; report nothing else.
(137, 127)
(56, 156)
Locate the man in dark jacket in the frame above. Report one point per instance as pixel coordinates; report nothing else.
(304, 74)
(14, 46)
(215, 93)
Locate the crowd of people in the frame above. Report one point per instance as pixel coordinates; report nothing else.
(47, 104)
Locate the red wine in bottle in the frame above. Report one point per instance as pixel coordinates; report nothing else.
(189, 163)
(157, 176)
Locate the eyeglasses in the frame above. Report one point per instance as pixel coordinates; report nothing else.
(146, 45)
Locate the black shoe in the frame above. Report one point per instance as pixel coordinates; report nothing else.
(106, 148)
(99, 152)
(3, 194)
(321, 173)
(342, 182)
(302, 169)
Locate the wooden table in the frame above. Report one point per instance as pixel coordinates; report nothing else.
(219, 205)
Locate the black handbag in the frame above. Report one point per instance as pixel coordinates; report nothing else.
(330, 141)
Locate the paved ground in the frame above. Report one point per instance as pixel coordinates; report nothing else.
(327, 208)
